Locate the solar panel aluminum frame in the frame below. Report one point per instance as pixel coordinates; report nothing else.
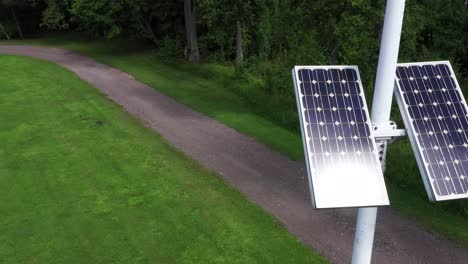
(307, 151)
(433, 196)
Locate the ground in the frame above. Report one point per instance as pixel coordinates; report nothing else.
(211, 89)
(83, 181)
(396, 238)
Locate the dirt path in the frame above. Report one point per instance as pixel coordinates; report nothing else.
(264, 176)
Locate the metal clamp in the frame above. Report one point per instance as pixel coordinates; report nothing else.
(384, 135)
(388, 132)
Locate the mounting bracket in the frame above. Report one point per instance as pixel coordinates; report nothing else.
(384, 135)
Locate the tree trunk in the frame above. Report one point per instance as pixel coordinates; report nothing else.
(191, 53)
(239, 46)
(20, 32)
(147, 30)
(4, 32)
(333, 59)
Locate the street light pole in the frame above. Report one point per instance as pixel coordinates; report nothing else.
(380, 116)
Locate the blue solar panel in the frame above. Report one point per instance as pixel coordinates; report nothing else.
(436, 116)
(343, 164)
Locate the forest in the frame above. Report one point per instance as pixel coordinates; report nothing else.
(261, 36)
(261, 40)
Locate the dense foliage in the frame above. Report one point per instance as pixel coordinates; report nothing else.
(266, 36)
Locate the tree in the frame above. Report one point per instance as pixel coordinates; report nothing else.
(5, 33)
(102, 17)
(190, 11)
(154, 20)
(12, 6)
(143, 13)
(18, 27)
(239, 44)
(226, 26)
(242, 14)
(55, 15)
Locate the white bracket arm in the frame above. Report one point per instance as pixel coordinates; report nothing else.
(387, 132)
(384, 135)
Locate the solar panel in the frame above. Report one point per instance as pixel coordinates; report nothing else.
(436, 117)
(341, 156)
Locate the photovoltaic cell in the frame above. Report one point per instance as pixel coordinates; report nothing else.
(341, 156)
(436, 116)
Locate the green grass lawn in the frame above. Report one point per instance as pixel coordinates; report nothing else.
(83, 182)
(208, 88)
(211, 89)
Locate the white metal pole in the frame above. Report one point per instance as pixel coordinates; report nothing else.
(388, 57)
(381, 108)
(364, 237)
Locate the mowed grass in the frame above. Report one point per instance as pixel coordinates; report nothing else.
(211, 89)
(207, 87)
(83, 182)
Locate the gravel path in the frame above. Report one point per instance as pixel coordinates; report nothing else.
(266, 177)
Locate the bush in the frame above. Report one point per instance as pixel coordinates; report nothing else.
(170, 49)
